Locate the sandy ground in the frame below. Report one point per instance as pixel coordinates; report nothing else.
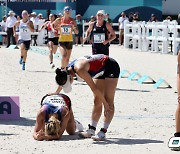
(144, 116)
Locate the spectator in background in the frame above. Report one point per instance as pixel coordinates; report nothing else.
(131, 17)
(48, 12)
(153, 18)
(135, 17)
(59, 15)
(121, 21)
(92, 19)
(35, 21)
(79, 23)
(40, 16)
(11, 20)
(107, 19)
(169, 18)
(17, 30)
(4, 28)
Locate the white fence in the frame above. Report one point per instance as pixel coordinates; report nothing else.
(152, 36)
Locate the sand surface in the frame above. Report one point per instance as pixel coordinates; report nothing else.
(144, 116)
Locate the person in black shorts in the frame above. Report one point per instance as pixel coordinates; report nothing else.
(25, 28)
(79, 23)
(66, 26)
(102, 34)
(52, 37)
(101, 73)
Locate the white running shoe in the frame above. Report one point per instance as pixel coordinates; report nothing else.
(100, 136)
(79, 126)
(87, 134)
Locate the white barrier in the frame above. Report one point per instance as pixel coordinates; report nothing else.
(154, 35)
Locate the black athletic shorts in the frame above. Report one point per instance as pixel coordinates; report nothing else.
(67, 45)
(54, 40)
(100, 49)
(26, 44)
(112, 69)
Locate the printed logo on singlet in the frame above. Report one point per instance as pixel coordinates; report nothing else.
(55, 101)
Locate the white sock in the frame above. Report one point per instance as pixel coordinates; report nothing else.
(106, 125)
(94, 123)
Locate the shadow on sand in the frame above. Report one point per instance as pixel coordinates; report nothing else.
(21, 122)
(132, 90)
(122, 141)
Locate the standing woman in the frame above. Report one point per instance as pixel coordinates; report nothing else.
(25, 29)
(52, 37)
(102, 33)
(66, 26)
(101, 73)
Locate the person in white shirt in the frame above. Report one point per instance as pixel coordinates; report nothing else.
(121, 21)
(24, 39)
(4, 28)
(35, 21)
(11, 20)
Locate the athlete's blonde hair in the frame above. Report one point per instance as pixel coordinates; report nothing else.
(52, 127)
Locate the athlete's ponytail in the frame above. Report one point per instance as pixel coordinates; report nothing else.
(61, 76)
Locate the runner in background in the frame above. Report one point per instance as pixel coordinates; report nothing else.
(24, 39)
(66, 26)
(52, 37)
(102, 33)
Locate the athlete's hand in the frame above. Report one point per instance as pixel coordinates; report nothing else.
(40, 135)
(105, 42)
(72, 25)
(84, 39)
(14, 35)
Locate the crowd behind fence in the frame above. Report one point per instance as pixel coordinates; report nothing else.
(143, 36)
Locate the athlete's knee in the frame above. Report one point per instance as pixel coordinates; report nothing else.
(178, 100)
(97, 102)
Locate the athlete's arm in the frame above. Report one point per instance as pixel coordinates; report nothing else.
(30, 26)
(57, 91)
(56, 23)
(39, 126)
(112, 33)
(88, 32)
(64, 122)
(74, 27)
(43, 26)
(14, 28)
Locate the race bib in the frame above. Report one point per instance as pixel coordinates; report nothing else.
(99, 37)
(65, 30)
(24, 29)
(50, 34)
